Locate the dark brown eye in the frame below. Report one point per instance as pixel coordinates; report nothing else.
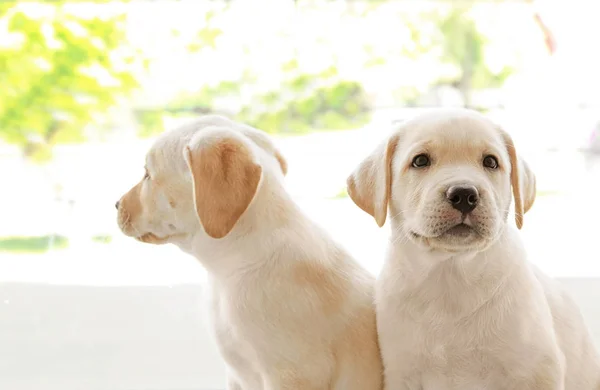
(146, 175)
(421, 161)
(490, 162)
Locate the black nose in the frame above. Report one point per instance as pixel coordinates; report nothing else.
(117, 204)
(463, 198)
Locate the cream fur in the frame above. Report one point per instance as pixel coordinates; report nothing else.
(465, 311)
(289, 308)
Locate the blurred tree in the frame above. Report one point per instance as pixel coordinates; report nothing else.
(59, 71)
(451, 34)
(463, 46)
(309, 101)
(303, 102)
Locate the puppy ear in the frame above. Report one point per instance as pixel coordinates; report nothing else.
(522, 181)
(528, 185)
(265, 142)
(225, 177)
(282, 162)
(369, 186)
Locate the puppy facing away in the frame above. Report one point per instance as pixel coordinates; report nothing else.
(290, 309)
(458, 305)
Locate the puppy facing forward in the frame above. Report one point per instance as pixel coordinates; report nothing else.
(458, 305)
(290, 309)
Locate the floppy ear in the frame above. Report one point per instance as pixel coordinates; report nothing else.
(522, 180)
(264, 141)
(282, 162)
(369, 186)
(225, 177)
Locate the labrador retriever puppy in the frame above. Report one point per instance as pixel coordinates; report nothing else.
(290, 309)
(458, 305)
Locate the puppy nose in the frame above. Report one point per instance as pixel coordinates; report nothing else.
(463, 198)
(117, 204)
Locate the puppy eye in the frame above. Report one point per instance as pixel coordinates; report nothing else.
(146, 175)
(490, 162)
(421, 161)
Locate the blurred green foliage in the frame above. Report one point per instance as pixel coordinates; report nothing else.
(207, 35)
(102, 239)
(463, 46)
(448, 34)
(305, 102)
(34, 244)
(59, 70)
(342, 194)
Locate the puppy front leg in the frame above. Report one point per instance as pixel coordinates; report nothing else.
(233, 384)
(547, 375)
(297, 384)
(291, 380)
(398, 381)
(313, 373)
(402, 386)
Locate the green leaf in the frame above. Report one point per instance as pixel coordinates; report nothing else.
(47, 97)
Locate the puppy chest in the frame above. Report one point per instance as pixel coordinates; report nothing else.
(442, 351)
(231, 334)
(234, 347)
(452, 365)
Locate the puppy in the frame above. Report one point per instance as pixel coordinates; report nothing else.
(458, 305)
(290, 309)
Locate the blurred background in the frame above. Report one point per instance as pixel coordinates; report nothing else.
(85, 87)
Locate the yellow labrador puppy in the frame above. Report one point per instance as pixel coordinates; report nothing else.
(290, 309)
(458, 305)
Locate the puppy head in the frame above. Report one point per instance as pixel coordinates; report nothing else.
(200, 178)
(446, 177)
